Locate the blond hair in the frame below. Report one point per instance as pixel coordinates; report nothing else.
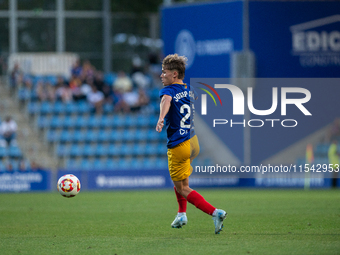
(175, 62)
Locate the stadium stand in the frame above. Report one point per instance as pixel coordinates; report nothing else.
(113, 140)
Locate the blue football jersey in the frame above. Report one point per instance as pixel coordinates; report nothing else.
(179, 119)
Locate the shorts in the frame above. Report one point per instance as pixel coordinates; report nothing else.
(180, 158)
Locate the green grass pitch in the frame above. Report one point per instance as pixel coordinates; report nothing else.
(138, 222)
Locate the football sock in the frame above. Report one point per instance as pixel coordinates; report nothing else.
(197, 200)
(182, 202)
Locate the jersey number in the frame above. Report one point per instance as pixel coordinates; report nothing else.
(186, 116)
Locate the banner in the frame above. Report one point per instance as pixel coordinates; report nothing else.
(25, 181)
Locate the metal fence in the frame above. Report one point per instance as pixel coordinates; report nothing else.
(109, 40)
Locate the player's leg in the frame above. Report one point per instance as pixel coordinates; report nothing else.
(198, 200)
(181, 217)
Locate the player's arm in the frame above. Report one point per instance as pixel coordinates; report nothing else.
(164, 109)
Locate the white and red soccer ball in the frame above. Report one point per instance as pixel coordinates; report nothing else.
(68, 185)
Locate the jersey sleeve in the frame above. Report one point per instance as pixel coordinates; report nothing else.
(166, 91)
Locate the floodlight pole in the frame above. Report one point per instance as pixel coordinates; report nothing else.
(13, 26)
(107, 35)
(60, 31)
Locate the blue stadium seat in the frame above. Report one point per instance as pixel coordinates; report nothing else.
(151, 149)
(46, 108)
(73, 164)
(76, 150)
(161, 164)
(65, 136)
(2, 166)
(14, 152)
(129, 135)
(91, 136)
(137, 164)
(43, 122)
(52, 136)
(94, 122)
(104, 136)
(56, 122)
(114, 150)
(126, 150)
(112, 164)
(3, 152)
(107, 121)
(123, 165)
(116, 136)
(143, 121)
(63, 150)
(79, 136)
(50, 79)
(59, 108)
(149, 163)
(162, 149)
(86, 164)
(99, 164)
(101, 151)
(82, 122)
(130, 121)
(33, 108)
(141, 135)
(83, 107)
(119, 121)
(139, 149)
(107, 108)
(153, 135)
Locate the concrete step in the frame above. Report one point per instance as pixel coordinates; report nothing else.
(29, 139)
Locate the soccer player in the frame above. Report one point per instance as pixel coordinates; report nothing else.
(183, 146)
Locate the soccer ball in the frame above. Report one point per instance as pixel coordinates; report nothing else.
(68, 185)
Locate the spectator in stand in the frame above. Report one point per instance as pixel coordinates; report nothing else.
(76, 85)
(76, 69)
(96, 99)
(22, 166)
(134, 100)
(102, 86)
(141, 80)
(64, 93)
(45, 91)
(15, 76)
(86, 87)
(9, 167)
(8, 130)
(87, 71)
(35, 167)
(122, 84)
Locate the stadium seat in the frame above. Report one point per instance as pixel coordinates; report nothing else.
(141, 135)
(101, 151)
(46, 108)
(151, 149)
(76, 151)
(114, 150)
(139, 149)
(3, 152)
(14, 152)
(116, 136)
(63, 150)
(129, 135)
(126, 150)
(86, 164)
